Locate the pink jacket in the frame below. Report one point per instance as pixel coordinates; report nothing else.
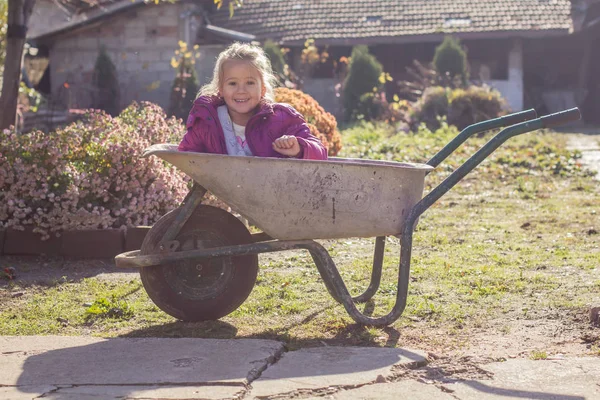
(205, 134)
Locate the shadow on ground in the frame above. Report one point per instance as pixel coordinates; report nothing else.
(50, 271)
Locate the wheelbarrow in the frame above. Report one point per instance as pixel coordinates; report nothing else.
(200, 262)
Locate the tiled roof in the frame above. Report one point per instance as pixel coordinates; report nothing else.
(48, 21)
(293, 21)
(78, 6)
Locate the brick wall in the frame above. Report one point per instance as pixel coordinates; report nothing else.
(140, 43)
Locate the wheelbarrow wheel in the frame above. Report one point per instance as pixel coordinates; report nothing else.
(203, 288)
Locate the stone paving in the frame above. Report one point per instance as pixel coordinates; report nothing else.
(589, 145)
(74, 368)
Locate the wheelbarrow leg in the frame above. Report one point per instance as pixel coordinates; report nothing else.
(188, 205)
(333, 281)
(339, 291)
(375, 272)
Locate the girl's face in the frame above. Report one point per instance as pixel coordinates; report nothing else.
(242, 89)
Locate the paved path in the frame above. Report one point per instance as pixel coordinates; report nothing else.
(589, 145)
(81, 368)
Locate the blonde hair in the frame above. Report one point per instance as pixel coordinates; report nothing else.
(247, 52)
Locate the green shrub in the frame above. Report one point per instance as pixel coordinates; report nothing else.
(451, 59)
(461, 107)
(370, 106)
(363, 75)
(185, 85)
(106, 83)
(475, 104)
(432, 105)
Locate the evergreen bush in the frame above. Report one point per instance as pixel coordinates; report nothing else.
(106, 83)
(432, 105)
(450, 60)
(370, 106)
(363, 76)
(185, 85)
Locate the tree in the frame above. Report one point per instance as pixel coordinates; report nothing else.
(107, 84)
(18, 14)
(3, 28)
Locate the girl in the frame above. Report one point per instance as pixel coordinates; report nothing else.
(236, 114)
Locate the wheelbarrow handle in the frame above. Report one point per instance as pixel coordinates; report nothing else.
(330, 272)
(519, 117)
(561, 117)
(479, 127)
(546, 121)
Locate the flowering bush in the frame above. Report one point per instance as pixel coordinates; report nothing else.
(321, 123)
(89, 175)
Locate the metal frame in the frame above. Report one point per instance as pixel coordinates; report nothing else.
(325, 264)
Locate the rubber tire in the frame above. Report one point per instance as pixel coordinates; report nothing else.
(235, 279)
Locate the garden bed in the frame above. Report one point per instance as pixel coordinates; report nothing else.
(88, 243)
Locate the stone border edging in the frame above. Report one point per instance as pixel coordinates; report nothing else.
(88, 243)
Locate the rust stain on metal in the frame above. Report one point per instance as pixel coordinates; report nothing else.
(333, 200)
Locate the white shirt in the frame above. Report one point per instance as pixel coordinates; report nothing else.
(240, 131)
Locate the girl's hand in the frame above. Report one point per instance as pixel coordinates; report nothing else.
(287, 145)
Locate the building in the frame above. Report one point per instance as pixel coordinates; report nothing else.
(537, 53)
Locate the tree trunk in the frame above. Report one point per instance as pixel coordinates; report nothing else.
(19, 12)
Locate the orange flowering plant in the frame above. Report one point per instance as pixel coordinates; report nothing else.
(321, 123)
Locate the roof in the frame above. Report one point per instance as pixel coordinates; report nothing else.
(352, 22)
(81, 17)
(342, 21)
(79, 6)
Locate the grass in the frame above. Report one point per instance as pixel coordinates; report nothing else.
(539, 355)
(516, 239)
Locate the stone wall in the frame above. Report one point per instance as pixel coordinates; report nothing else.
(139, 42)
(205, 64)
(323, 91)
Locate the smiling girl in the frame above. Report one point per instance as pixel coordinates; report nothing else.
(236, 114)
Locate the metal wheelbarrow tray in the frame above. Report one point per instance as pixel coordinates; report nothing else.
(200, 262)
